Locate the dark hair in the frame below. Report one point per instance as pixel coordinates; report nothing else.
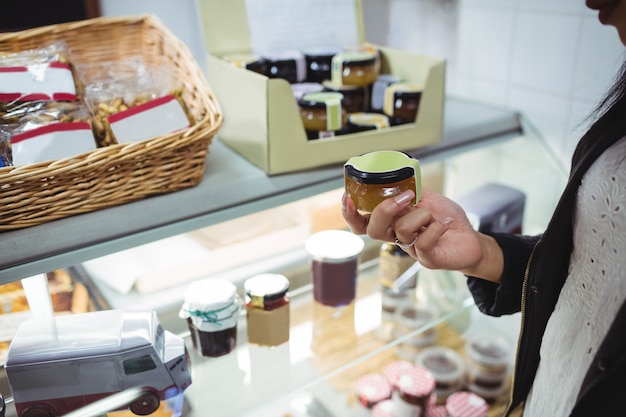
(610, 117)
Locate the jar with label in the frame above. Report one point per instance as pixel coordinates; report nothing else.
(355, 98)
(402, 102)
(447, 368)
(414, 393)
(363, 121)
(379, 88)
(354, 68)
(322, 111)
(318, 63)
(250, 62)
(211, 308)
(286, 64)
(413, 322)
(267, 309)
(375, 176)
(370, 390)
(466, 404)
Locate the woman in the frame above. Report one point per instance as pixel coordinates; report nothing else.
(569, 283)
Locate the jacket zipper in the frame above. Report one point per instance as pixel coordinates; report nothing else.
(521, 331)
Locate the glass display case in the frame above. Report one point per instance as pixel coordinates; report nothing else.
(315, 372)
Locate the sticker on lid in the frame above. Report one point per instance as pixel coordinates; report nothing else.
(45, 81)
(466, 404)
(151, 119)
(371, 389)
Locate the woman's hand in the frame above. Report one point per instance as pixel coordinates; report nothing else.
(436, 232)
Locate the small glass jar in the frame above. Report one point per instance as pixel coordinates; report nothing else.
(402, 102)
(354, 68)
(211, 308)
(393, 262)
(376, 176)
(286, 64)
(318, 63)
(487, 365)
(409, 318)
(379, 88)
(322, 111)
(267, 309)
(354, 97)
(362, 121)
(250, 62)
(370, 390)
(466, 404)
(414, 393)
(447, 367)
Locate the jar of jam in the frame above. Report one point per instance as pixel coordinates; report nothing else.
(379, 88)
(412, 323)
(250, 62)
(354, 68)
(286, 64)
(414, 393)
(466, 404)
(361, 122)
(371, 389)
(318, 63)
(376, 176)
(447, 368)
(402, 101)
(211, 308)
(487, 365)
(267, 309)
(354, 97)
(322, 111)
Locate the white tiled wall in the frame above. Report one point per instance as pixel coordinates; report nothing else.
(550, 59)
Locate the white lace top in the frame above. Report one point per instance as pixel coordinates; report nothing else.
(594, 291)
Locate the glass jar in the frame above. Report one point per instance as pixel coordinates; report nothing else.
(361, 122)
(354, 68)
(370, 390)
(379, 88)
(354, 97)
(414, 392)
(447, 368)
(409, 318)
(487, 365)
(250, 62)
(402, 102)
(318, 63)
(376, 176)
(286, 64)
(267, 309)
(322, 111)
(211, 308)
(393, 262)
(466, 404)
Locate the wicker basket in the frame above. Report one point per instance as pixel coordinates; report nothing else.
(38, 193)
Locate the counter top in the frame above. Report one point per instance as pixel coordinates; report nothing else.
(231, 187)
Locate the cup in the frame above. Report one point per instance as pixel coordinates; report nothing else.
(334, 260)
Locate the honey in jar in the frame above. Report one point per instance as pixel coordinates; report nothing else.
(402, 101)
(318, 63)
(322, 111)
(354, 68)
(355, 98)
(375, 176)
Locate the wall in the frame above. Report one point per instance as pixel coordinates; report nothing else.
(550, 59)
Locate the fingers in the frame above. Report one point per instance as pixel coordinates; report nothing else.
(383, 218)
(356, 221)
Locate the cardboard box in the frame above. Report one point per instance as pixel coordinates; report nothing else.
(261, 117)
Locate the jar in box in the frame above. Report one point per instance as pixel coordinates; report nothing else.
(355, 97)
(322, 111)
(370, 390)
(375, 176)
(402, 102)
(414, 392)
(211, 308)
(487, 364)
(466, 404)
(286, 64)
(250, 62)
(318, 63)
(377, 100)
(409, 319)
(267, 309)
(362, 121)
(354, 68)
(447, 368)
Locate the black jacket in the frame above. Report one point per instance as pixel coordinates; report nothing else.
(535, 269)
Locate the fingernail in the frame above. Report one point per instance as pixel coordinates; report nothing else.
(447, 221)
(403, 198)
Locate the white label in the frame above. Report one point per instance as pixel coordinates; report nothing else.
(151, 119)
(52, 81)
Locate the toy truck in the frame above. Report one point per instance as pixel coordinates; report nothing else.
(59, 364)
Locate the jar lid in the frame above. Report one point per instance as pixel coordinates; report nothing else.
(382, 167)
(320, 99)
(266, 286)
(371, 389)
(357, 57)
(210, 294)
(393, 370)
(334, 246)
(417, 382)
(321, 52)
(444, 363)
(344, 89)
(386, 408)
(466, 404)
